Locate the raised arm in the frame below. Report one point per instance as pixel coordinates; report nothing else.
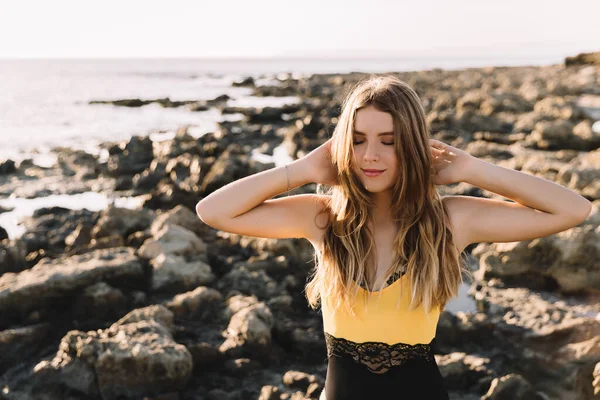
(541, 207)
(246, 206)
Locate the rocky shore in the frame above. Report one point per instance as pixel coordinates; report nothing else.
(151, 303)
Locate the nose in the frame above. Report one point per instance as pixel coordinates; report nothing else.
(371, 153)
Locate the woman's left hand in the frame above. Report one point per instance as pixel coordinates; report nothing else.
(450, 165)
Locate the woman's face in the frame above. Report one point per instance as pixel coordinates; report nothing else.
(374, 148)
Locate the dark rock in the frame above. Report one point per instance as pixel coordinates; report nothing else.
(99, 302)
(150, 177)
(18, 344)
(121, 221)
(3, 234)
(246, 82)
(240, 366)
(510, 387)
(52, 280)
(205, 356)
(583, 59)
(12, 256)
(125, 361)
(7, 167)
(130, 157)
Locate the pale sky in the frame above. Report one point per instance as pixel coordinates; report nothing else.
(265, 28)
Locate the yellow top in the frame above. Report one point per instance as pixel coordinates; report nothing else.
(382, 320)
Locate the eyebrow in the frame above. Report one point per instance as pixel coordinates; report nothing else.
(379, 134)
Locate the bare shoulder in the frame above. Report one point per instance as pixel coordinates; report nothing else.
(457, 211)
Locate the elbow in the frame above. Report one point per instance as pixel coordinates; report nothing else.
(587, 210)
(202, 213)
(584, 211)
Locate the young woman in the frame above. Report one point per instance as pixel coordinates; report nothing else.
(387, 245)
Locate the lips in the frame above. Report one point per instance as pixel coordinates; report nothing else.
(373, 172)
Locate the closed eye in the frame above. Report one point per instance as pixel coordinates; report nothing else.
(387, 144)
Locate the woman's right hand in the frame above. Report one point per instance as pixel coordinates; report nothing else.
(319, 162)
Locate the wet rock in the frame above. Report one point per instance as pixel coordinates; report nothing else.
(12, 256)
(181, 144)
(150, 177)
(596, 377)
(137, 239)
(586, 135)
(184, 172)
(197, 303)
(582, 174)
(164, 102)
(281, 303)
(167, 195)
(173, 273)
(261, 115)
(238, 302)
(130, 360)
(7, 167)
(481, 149)
(77, 163)
(283, 90)
(205, 356)
(583, 58)
(462, 371)
(131, 157)
(123, 102)
(526, 122)
(218, 100)
(556, 107)
(533, 89)
(5, 209)
(500, 138)
(298, 380)
(81, 236)
(269, 392)
(181, 216)
(157, 313)
(249, 330)
(105, 242)
(589, 106)
(49, 228)
(512, 386)
(174, 240)
(492, 103)
(228, 168)
(51, 280)
(249, 282)
(18, 344)
(100, 301)
(246, 82)
(121, 221)
(473, 121)
(240, 366)
(568, 258)
(552, 135)
(197, 106)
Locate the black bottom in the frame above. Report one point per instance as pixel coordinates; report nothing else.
(415, 379)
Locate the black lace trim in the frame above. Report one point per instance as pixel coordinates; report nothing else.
(378, 357)
(393, 278)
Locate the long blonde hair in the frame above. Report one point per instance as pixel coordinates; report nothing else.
(424, 243)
